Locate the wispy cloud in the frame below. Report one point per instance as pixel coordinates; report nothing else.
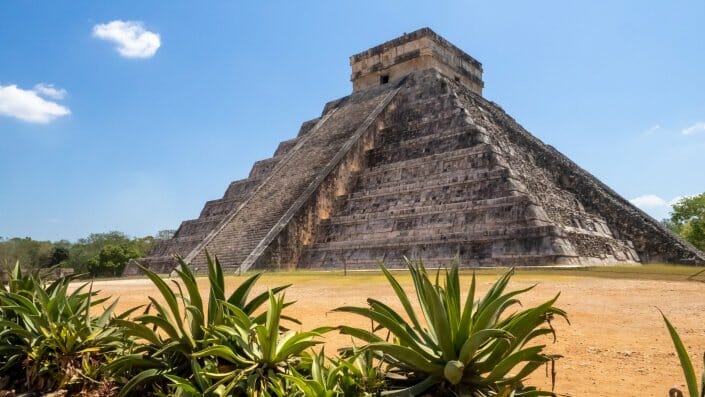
(694, 129)
(648, 201)
(132, 39)
(48, 90)
(651, 130)
(29, 106)
(654, 205)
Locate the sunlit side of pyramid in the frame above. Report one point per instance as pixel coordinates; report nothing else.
(415, 162)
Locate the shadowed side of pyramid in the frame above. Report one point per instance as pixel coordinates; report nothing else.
(415, 163)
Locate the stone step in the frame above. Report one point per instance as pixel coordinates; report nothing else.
(492, 246)
(432, 209)
(177, 245)
(449, 225)
(414, 182)
(285, 146)
(263, 168)
(443, 122)
(432, 167)
(200, 226)
(419, 195)
(483, 212)
(221, 207)
(394, 258)
(160, 264)
(499, 233)
(424, 146)
(307, 126)
(405, 223)
(391, 139)
(240, 188)
(434, 160)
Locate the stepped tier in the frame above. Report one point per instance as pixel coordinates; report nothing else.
(418, 165)
(192, 232)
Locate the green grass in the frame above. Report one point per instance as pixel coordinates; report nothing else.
(639, 272)
(662, 272)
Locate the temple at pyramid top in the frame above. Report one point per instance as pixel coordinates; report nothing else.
(421, 49)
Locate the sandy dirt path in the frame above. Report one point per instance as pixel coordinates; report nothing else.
(616, 345)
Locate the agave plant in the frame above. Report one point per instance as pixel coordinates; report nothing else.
(163, 344)
(324, 380)
(471, 348)
(255, 357)
(360, 372)
(691, 379)
(350, 376)
(48, 337)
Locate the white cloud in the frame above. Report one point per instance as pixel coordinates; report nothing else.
(648, 201)
(694, 129)
(29, 106)
(652, 130)
(132, 39)
(49, 91)
(654, 205)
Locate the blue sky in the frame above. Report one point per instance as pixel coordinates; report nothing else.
(130, 116)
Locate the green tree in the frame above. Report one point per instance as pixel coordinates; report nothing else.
(688, 220)
(85, 249)
(111, 260)
(29, 252)
(58, 256)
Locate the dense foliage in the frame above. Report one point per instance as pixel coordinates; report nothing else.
(688, 220)
(185, 343)
(99, 254)
(49, 336)
(176, 347)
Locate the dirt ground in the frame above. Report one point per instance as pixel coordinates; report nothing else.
(616, 344)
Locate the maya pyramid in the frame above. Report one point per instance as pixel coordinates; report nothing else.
(415, 162)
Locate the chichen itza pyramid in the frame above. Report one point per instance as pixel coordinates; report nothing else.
(415, 162)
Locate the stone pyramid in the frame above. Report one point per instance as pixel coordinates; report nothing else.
(415, 162)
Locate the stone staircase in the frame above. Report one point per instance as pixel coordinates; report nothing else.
(240, 233)
(192, 232)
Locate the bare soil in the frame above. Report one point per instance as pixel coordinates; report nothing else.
(616, 343)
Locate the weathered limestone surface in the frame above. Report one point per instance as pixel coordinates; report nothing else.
(422, 49)
(419, 165)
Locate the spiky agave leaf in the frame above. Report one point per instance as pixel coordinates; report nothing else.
(479, 337)
(687, 365)
(179, 327)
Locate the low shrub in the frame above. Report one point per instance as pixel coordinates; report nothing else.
(49, 338)
(161, 347)
(465, 347)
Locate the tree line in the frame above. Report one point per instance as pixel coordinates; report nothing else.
(98, 255)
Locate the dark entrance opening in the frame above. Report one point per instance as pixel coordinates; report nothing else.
(384, 79)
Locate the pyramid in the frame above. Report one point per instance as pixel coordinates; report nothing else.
(416, 163)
